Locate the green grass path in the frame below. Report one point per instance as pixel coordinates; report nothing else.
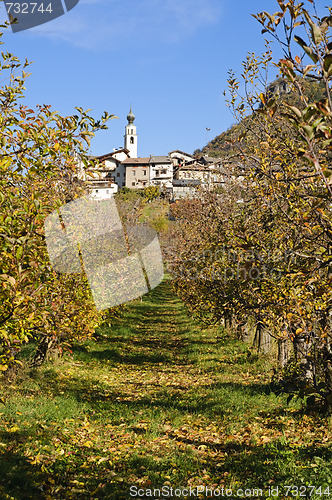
(156, 401)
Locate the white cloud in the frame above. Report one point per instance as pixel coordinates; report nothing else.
(108, 24)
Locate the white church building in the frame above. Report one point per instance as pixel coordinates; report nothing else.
(130, 137)
(123, 168)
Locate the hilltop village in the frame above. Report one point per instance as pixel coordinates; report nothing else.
(177, 174)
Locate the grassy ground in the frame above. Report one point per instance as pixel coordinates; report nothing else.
(157, 401)
(156, 214)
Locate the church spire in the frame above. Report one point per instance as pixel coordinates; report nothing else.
(130, 138)
(130, 117)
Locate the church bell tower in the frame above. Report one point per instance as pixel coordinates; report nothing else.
(130, 138)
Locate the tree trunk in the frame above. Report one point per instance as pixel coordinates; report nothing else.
(283, 353)
(327, 357)
(237, 328)
(45, 346)
(262, 340)
(247, 329)
(301, 351)
(257, 339)
(228, 322)
(244, 331)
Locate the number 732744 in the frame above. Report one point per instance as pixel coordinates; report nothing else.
(28, 8)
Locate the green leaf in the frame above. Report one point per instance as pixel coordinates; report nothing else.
(309, 51)
(308, 113)
(326, 143)
(295, 110)
(309, 131)
(315, 29)
(19, 252)
(328, 64)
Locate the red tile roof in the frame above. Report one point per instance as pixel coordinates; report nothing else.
(136, 161)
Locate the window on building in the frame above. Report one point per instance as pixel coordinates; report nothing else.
(164, 171)
(96, 190)
(144, 172)
(157, 173)
(118, 174)
(131, 140)
(134, 172)
(133, 183)
(107, 191)
(123, 184)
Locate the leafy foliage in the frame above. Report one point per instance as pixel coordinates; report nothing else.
(267, 256)
(39, 151)
(158, 400)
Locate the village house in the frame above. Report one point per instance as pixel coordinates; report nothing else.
(123, 168)
(137, 172)
(209, 161)
(150, 171)
(207, 170)
(194, 171)
(107, 174)
(161, 171)
(180, 158)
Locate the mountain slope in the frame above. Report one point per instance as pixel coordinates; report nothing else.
(224, 144)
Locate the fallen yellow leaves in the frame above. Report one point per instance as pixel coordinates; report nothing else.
(88, 444)
(15, 428)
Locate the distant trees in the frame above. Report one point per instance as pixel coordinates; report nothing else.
(267, 259)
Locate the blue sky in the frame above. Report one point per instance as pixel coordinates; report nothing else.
(168, 58)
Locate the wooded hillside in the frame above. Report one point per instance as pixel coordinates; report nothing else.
(224, 145)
